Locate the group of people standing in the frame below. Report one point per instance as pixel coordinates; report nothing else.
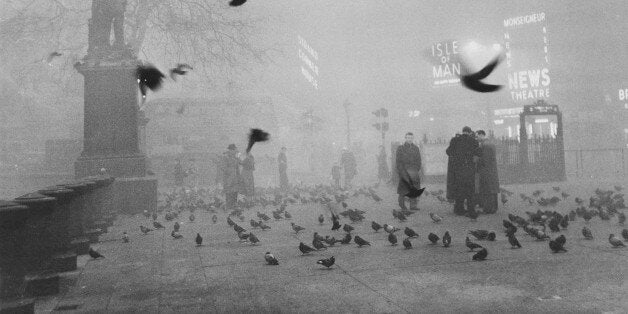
(237, 175)
(472, 178)
(349, 164)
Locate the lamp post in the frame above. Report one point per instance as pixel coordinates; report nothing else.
(382, 123)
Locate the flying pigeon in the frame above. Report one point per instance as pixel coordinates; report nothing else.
(148, 77)
(473, 81)
(255, 136)
(270, 259)
(236, 3)
(327, 262)
(179, 70)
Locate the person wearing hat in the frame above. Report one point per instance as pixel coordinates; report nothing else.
(408, 167)
(461, 170)
(231, 176)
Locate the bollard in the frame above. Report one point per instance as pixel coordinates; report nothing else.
(12, 271)
(38, 244)
(64, 259)
(79, 243)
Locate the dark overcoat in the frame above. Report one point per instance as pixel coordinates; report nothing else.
(248, 180)
(231, 172)
(461, 166)
(408, 166)
(487, 168)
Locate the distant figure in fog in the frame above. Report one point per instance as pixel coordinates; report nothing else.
(488, 177)
(348, 162)
(335, 175)
(382, 166)
(179, 173)
(283, 168)
(231, 176)
(461, 170)
(408, 167)
(248, 181)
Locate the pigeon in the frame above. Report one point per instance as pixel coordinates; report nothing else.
(472, 246)
(480, 255)
(327, 262)
(624, 234)
(514, 243)
(433, 238)
(237, 3)
(336, 225)
(145, 230)
(125, 237)
(318, 237)
(392, 238)
(321, 219)
(361, 242)
(318, 244)
(262, 225)
(375, 226)
(491, 235)
(561, 239)
(263, 216)
(199, 239)
(52, 55)
(410, 233)
(237, 228)
(621, 218)
(296, 227)
(287, 215)
(479, 234)
(435, 218)
(270, 259)
(243, 236)
(176, 235)
(473, 81)
(586, 232)
(346, 239)
(390, 229)
(277, 215)
(614, 241)
(192, 218)
(176, 226)
(406, 243)
(253, 239)
(254, 224)
(347, 228)
(95, 254)
(256, 135)
(148, 77)
(215, 218)
(179, 70)
(446, 239)
(556, 246)
(305, 249)
(331, 241)
(564, 223)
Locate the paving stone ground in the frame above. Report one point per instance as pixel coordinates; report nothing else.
(155, 273)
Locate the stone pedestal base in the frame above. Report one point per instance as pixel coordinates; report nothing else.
(93, 234)
(80, 246)
(134, 195)
(122, 166)
(63, 262)
(22, 306)
(41, 285)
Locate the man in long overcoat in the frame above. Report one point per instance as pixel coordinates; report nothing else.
(461, 170)
(283, 169)
(488, 177)
(248, 181)
(408, 166)
(231, 176)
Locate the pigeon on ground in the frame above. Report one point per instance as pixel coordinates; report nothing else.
(94, 254)
(270, 259)
(336, 225)
(262, 225)
(296, 227)
(157, 225)
(410, 233)
(346, 239)
(514, 243)
(145, 230)
(321, 219)
(318, 244)
(436, 218)
(375, 226)
(215, 218)
(255, 136)
(199, 239)
(390, 229)
(406, 243)
(287, 215)
(361, 242)
(347, 228)
(176, 226)
(179, 70)
(446, 239)
(480, 255)
(561, 239)
(392, 238)
(556, 246)
(318, 237)
(253, 239)
(305, 249)
(327, 262)
(614, 241)
(125, 237)
(472, 246)
(176, 235)
(433, 238)
(624, 234)
(237, 228)
(254, 224)
(586, 232)
(330, 240)
(277, 215)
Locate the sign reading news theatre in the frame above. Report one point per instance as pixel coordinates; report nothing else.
(527, 57)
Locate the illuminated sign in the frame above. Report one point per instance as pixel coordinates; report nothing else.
(446, 67)
(527, 56)
(308, 56)
(508, 111)
(499, 122)
(414, 113)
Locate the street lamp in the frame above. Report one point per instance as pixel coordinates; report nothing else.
(382, 123)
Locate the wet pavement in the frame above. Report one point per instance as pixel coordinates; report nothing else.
(155, 273)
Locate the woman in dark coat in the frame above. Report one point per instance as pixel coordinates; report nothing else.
(487, 171)
(461, 170)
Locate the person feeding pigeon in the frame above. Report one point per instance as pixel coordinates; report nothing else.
(461, 170)
(408, 166)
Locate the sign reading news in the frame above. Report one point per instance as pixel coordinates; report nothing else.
(527, 57)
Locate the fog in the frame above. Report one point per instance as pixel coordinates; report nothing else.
(368, 55)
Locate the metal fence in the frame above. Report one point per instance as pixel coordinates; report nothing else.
(597, 163)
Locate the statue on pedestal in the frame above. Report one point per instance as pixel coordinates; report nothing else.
(105, 15)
